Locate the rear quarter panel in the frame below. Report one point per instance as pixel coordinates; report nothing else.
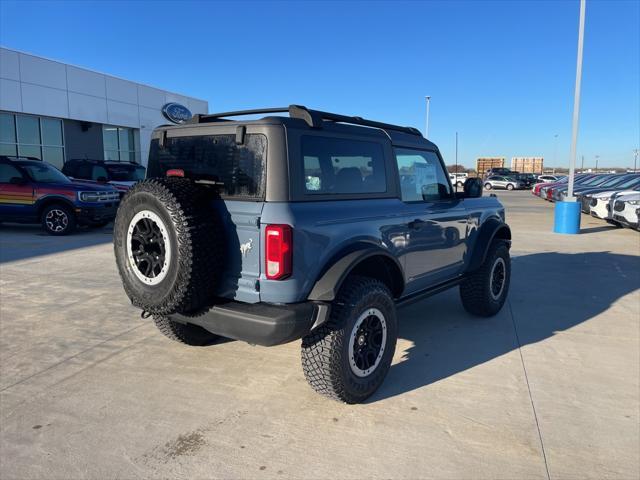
(323, 232)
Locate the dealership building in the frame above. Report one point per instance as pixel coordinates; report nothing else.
(57, 112)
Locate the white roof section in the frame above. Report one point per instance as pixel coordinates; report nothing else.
(39, 86)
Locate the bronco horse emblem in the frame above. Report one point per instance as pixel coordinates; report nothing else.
(246, 247)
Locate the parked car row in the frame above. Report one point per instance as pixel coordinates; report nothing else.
(614, 198)
(503, 178)
(33, 191)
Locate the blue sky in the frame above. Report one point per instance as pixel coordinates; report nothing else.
(500, 73)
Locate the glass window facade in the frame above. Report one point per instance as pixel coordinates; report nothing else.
(121, 144)
(32, 136)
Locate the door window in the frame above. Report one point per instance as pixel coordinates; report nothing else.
(7, 172)
(422, 177)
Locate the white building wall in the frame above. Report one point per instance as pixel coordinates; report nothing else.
(35, 85)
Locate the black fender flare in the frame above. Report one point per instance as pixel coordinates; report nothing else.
(327, 286)
(42, 202)
(487, 233)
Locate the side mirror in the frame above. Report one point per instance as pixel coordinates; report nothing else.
(17, 181)
(473, 188)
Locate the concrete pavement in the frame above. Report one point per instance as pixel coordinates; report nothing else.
(549, 388)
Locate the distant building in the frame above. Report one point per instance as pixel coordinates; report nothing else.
(57, 112)
(485, 163)
(527, 164)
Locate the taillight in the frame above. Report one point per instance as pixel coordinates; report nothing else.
(278, 251)
(175, 172)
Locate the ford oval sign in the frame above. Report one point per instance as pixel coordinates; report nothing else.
(176, 113)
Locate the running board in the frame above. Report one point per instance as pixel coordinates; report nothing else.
(428, 292)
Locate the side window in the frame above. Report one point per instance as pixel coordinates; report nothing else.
(337, 166)
(83, 170)
(422, 177)
(7, 172)
(99, 171)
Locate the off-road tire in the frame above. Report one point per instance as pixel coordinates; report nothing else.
(196, 241)
(71, 219)
(475, 290)
(325, 351)
(186, 333)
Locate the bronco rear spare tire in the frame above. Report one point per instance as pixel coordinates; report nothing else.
(168, 246)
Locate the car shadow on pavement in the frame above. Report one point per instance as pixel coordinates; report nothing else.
(20, 242)
(605, 228)
(550, 293)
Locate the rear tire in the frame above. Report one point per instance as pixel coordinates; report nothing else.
(168, 245)
(186, 333)
(58, 220)
(484, 292)
(487, 186)
(348, 357)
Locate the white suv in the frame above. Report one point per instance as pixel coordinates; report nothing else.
(626, 209)
(548, 178)
(458, 178)
(601, 204)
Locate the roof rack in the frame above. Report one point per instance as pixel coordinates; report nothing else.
(313, 118)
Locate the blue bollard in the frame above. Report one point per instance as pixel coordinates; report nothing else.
(567, 217)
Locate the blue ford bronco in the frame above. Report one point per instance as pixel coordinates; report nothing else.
(310, 225)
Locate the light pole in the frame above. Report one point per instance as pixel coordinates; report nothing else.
(426, 126)
(582, 165)
(567, 213)
(597, 157)
(555, 150)
(635, 159)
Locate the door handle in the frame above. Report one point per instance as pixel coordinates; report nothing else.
(416, 224)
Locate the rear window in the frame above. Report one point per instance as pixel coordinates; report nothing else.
(239, 169)
(126, 173)
(337, 166)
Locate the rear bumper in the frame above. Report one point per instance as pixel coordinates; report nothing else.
(260, 323)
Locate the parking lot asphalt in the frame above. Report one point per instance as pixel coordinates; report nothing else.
(548, 388)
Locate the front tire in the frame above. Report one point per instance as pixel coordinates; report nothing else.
(348, 357)
(484, 292)
(509, 186)
(58, 220)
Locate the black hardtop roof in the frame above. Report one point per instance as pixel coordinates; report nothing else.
(301, 117)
